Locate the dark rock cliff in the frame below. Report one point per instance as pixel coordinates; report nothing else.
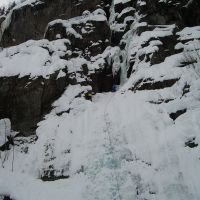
(32, 19)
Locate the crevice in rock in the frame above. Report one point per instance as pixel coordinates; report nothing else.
(191, 143)
(150, 84)
(53, 178)
(177, 114)
(186, 89)
(5, 197)
(161, 101)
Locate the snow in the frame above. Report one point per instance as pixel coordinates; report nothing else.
(119, 145)
(33, 58)
(190, 33)
(43, 58)
(5, 130)
(6, 2)
(157, 32)
(128, 9)
(120, 1)
(141, 3)
(97, 15)
(114, 139)
(36, 189)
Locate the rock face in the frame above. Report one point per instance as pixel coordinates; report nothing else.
(25, 101)
(26, 18)
(163, 12)
(90, 34)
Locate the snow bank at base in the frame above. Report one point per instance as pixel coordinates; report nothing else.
(116, 145)
(25, 187)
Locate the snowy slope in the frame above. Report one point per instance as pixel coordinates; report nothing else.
(109, 150)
